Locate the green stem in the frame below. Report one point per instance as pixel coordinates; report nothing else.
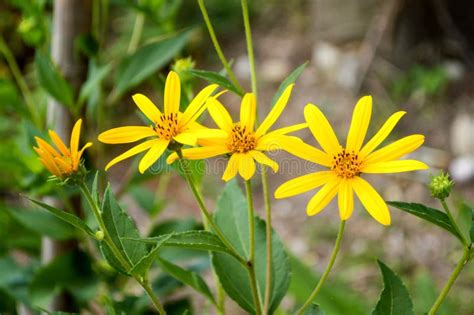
(251, 259)
(327, 271)
(217, 47)
(462, 262)
(453, 222)
(146, 286)
(18, 76)
(203, 208)
(137, 33)
(268, 232)
(248, 36)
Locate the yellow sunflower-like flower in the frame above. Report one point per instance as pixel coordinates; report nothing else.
(64, 161)
(166, 128)
(244, 144)
(347, 164)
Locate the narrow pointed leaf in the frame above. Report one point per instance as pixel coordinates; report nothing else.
(214, 77)
(289, 80)
(431, 215)
(67, 217)
(191, 278)
(394, 298)
(141, 267)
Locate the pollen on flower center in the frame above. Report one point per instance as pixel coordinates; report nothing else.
(241, 140)
(346, 164)
(167, 126)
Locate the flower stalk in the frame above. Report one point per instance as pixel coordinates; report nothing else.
(323, 278)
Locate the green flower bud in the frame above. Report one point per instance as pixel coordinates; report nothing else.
(99, 235)
(181, 66)
(440, 186)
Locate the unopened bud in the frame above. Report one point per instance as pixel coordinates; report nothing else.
(440, 186)
(99, 235)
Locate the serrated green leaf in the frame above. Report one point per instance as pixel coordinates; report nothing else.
(50, 78)
(289, 80)
(394, 298)
(44, 223)
(67, 217)
(191, 278)
(231, 217)
(121, 227)
(147, 60)
(217, 78)
(429, 214)
(143, 265)
(464, 220)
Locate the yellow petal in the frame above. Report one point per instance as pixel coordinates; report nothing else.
(275, 113)
(147, 107)
(371, 200)
(65, 168)
(395, 150)
(197, 105)
(43, 145)
(219, 114)
(263, 159)
(172, 93)
(345, 199)
(303, 184)
(59, 143)
(232, 167)
(51, 166)
(302, 150)
(246, 166)
(205, 142)
(153, 154)
(126, 134)
(359, 124)
(289, 129)
(323, 197)
(198, 153)
(78, 156)
(75, 135)
(248, 111)
(394, 166)
(382, 134)
(133, 151)
(321, 129)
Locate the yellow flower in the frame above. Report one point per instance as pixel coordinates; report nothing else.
(166, 128)
(242, 143)
(347, 164)
(64, 161)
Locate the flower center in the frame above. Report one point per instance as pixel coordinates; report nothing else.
(66, 166)
(346, 164)
(241, 140)
(167, 126)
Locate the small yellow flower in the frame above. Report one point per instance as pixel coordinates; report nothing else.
(64, 161)
(166, 128)
(242, 143)
(347, 164)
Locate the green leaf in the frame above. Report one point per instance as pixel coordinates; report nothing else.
(147, 60)
(95, 188)
(429, 214)
(44, 223)
(231, 217)
(191, 278)
(51, 79)
(141, 267)
(214, 77)
(67, 217)
(289, 80)
(96, 76)
(314, 309)
(465, 221)
(120, 227)
(394, 298)
(198, 240)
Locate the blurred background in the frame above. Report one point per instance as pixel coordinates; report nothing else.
(61, 60)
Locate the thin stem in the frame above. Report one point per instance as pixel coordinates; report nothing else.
(453, 222)
(217, 47)
(248, 36)
(268, 232)
(462, 262)
(203, 208)
(327, 271)
(146, 286)
(137, 33)
(18, 76)
(251, 260)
